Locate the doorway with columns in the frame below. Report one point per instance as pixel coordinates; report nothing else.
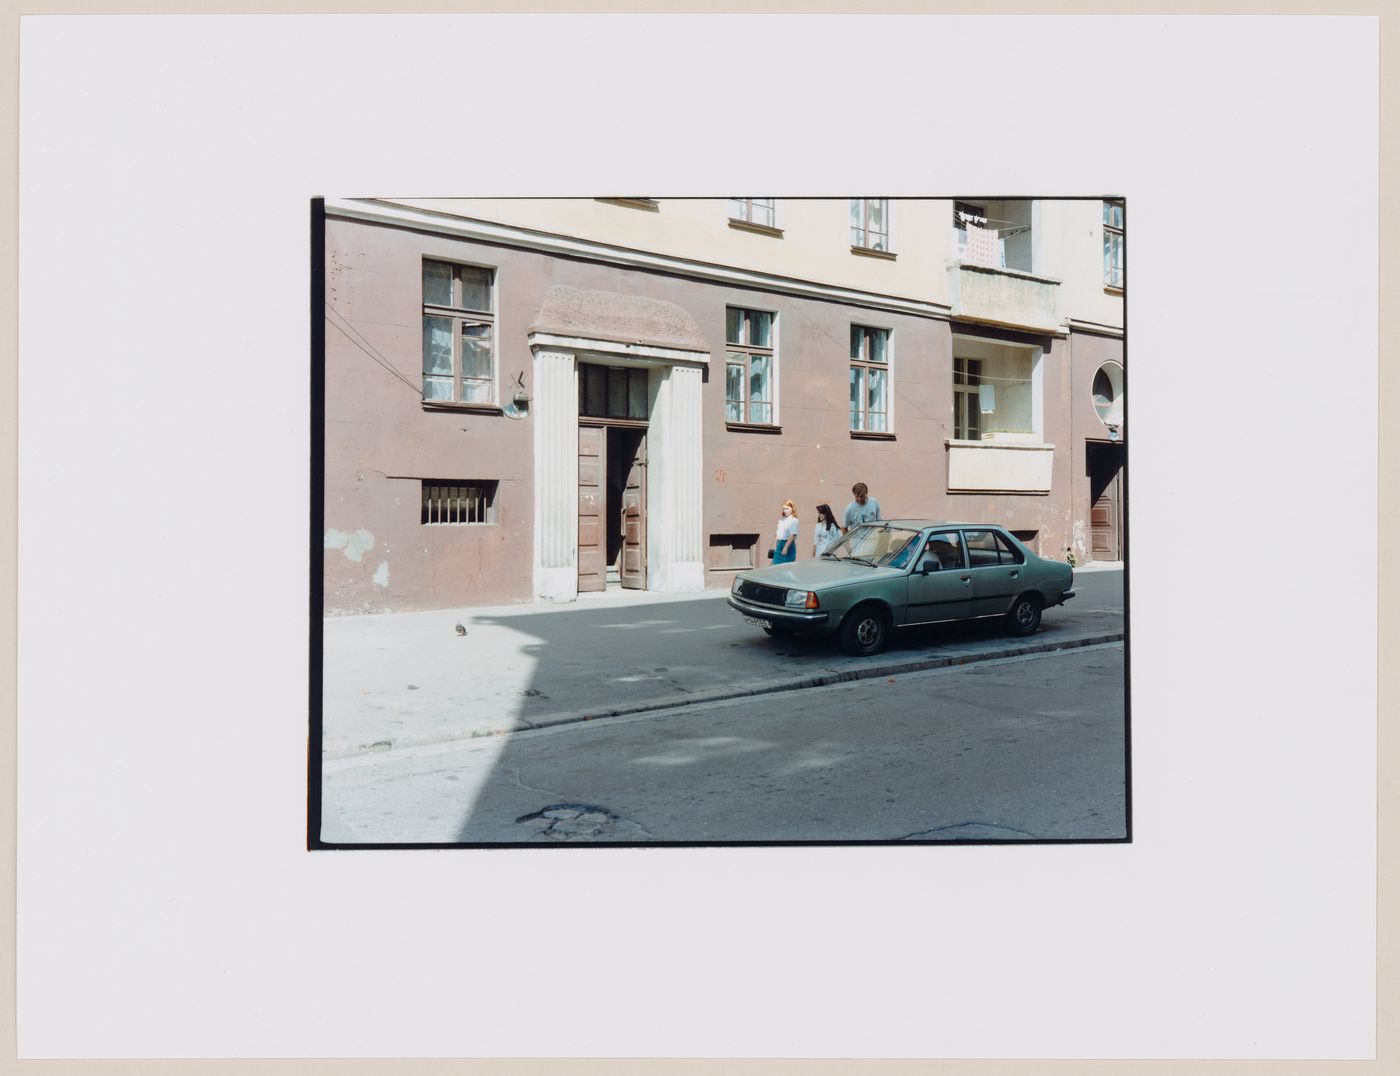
(617, 445)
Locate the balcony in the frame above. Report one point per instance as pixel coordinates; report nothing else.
(999, 467)
(1003, 297)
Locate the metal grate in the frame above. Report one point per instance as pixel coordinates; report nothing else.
(458, 502)
(762, 593)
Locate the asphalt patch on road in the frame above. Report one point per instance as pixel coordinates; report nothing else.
(580, 822)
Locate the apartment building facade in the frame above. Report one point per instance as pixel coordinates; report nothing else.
(537, 398)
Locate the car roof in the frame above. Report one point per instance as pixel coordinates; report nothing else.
(922, 524)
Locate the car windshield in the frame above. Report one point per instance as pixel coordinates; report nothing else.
(892, 546)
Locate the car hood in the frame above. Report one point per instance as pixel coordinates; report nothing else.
(817, 574)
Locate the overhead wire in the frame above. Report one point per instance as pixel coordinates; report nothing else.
(354, 336)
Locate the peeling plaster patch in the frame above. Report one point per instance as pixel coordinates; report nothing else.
(1080, 546)
(354, 546)
(381, 577)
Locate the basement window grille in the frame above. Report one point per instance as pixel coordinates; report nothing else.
(458, 502)
(732, 552)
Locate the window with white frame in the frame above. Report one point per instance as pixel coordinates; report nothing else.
(459, 358)
(870, 367)
(870, 223)
(749, 366)
(967, 410)
(1114, 275)
(760, 211)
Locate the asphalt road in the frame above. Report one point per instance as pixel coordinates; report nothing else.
(394, 682)
(1019, 749)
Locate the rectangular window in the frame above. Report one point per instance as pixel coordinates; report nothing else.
(732, 552)
(1029, 538)
(1114, 275)
(612, 392)
(754, 211)
(749, 367)
(459, 356)
(870, 223)
(967, 408)
(870, 379)
(463, 501)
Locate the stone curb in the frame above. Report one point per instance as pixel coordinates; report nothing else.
(845, 676)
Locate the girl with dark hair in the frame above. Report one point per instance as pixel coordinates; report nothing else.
(827, 530)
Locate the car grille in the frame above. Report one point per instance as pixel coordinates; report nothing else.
(762, 593)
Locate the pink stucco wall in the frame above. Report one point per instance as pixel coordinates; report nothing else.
(1090, 352)
(381, 441)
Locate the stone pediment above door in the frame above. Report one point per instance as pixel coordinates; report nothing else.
(611, 323)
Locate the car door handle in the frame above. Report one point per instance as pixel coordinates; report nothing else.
(1015, 574)
(964, 578)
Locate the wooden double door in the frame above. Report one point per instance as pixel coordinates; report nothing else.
(612, 506)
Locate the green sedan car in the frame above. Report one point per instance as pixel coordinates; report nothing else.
(899, 573)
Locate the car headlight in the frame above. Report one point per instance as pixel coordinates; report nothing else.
(801, 599)
(735, 588)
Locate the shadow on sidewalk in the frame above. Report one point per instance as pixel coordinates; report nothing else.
(599, 662)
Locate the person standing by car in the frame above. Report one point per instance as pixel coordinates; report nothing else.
(826, 532)
(864, 509)
(785, 537)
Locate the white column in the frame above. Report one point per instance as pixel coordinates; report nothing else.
(554, 411)
(674, 484)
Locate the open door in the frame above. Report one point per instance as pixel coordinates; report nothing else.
(1106, 502)
(634, 512)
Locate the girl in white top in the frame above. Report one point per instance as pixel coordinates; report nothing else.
(785, 537)
(826, 532)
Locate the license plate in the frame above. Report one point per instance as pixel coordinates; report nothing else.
(759, 622)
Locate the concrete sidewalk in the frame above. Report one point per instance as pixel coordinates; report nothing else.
(396, 680)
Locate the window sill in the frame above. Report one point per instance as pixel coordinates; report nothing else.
(648, 204)
(869, 252)
(753, 427)
(1024, 446)
(1109, 289)
(757, 229)
(871, 435)
(478, 409)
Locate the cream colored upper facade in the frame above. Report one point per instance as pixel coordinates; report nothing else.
(1053, 256)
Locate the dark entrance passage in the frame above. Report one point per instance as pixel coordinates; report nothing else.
(612, 506)
(1105, 466)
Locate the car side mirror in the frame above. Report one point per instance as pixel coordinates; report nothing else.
(931, 566)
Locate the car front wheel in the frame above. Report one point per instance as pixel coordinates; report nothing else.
(865, 630)
(1024, 617)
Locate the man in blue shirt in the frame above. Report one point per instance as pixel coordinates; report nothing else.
(864, 509)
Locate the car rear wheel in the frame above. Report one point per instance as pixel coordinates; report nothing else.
(865, 630)
(1024, 617)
